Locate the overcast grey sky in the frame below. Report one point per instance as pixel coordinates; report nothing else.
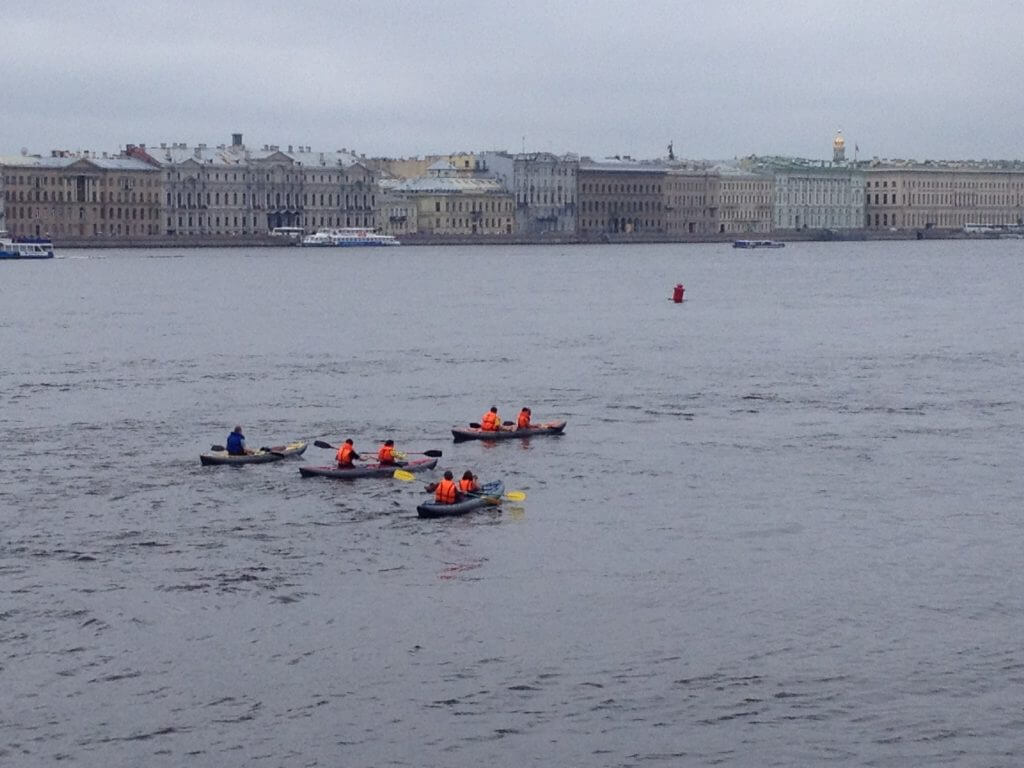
(902, 78)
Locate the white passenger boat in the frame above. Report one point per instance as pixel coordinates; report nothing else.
(347, 237)
(25, 248)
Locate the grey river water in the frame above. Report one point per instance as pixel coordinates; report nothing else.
(784, 526)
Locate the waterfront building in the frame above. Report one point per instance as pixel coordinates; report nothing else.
(686, 200)
(396, 214)
(905, 194)
(544, 185)
(72, 195)
(620, 196)
(813, 194)
(236, 191)
(739, 201)
(452, 201)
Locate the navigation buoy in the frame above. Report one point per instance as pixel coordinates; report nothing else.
(677, 293)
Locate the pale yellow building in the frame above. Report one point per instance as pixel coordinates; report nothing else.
(739, 202)
(451, 201)
(908, 195)
(80, 195)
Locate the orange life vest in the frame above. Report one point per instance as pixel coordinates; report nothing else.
(345, 454)
(445, 492)
(386, 454)
(468, 486)
(524, 420)
(490, 422)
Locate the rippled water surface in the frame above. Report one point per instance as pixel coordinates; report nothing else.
(784, 526)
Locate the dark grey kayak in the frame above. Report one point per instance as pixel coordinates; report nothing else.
(367, 470)
(489, 496)
(475, 433)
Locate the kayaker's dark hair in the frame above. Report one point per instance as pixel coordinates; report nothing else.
(448, 475)
(467, 475)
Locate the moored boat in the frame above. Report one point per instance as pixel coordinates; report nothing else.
(758, 244)
(347, 237)
(366, 470)
(475, 433)
(25, 248)
(262, 456)
(489, 496)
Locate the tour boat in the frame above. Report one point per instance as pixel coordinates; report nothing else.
(347, 237)
(25, 248)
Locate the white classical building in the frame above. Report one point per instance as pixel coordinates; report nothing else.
(815, 194)
(544, 185)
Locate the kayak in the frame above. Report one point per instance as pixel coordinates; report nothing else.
(367, 470)
(475, 433)
(490, 496)
(276, 453)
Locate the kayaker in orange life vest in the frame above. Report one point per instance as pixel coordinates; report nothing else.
(386, 454)
(491, 422)
(468, 483)
(347, 454)
(446, 491)
(523, 422)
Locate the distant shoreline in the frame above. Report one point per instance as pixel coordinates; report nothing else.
(858, 235)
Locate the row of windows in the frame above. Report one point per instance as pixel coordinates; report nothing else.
(611, 189)
(472, 206)
(127, 182)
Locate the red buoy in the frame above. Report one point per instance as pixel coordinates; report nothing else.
(677, 293)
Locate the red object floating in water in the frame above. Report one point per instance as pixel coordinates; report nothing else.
(677, 293)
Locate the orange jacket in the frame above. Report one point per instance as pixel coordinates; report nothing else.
(386, 454)
(345, 454)
(446, 492)
(524, 420)
(490, 422)
(468, 486)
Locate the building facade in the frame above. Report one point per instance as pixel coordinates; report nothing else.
(739, 201)
(687, 200)
(74, 196)
(620, 197)
(451, 201)
(813, 194)
(909, 195)
(545, 188)
(231, 190)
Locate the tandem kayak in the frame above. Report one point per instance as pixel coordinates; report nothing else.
(262, 456)
(367, 470)
(475, 433)
(489, 496)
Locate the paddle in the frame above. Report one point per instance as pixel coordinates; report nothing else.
(408, 477)
(434, 454)
(476, 425)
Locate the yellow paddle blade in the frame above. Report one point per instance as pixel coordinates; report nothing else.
(400, 456)
(401, 474)
(515, 496)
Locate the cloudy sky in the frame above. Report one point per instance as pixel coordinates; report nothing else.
(719, 78)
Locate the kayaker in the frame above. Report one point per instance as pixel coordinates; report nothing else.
(236, 443)
(523, 422)
(347, 454)
(491, 422)
(468, 483)
(386, 454)
(446, 491)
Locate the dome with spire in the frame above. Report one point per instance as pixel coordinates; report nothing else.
(839, 147)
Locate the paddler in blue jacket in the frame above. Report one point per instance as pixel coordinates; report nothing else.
(236, 443)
